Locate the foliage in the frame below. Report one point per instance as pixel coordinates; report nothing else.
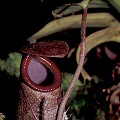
(12, 64)
(84, 98)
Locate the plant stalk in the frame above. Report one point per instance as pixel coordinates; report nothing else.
(79, 68)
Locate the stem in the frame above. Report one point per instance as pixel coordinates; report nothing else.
(79, 68)
(62, 7)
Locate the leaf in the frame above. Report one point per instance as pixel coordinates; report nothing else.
(75, 8)
(69, 77)
(115, 4)
(66, 79)
(93, 20)
(99, 37)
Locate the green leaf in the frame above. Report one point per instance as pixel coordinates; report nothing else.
(115, 4)
(69, 77)
(75, 8)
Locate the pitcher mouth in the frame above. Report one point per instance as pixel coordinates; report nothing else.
(40, 73)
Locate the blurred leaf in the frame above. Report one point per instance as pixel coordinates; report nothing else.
(110, 34)
(74, 8)
(66, 79)
(115, 4)
(100, 115)
(71, 22)
(96, 79)
(12, 64)
(2, 65)
(69, 77)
